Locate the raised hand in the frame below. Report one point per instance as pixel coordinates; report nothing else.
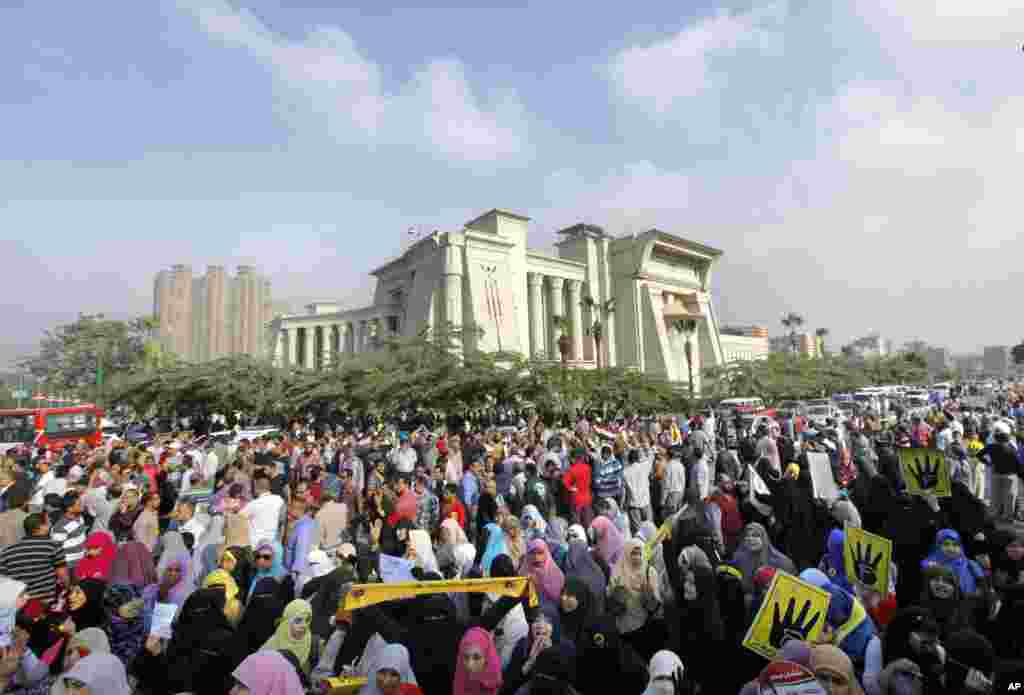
(785, 627)
(864, 565)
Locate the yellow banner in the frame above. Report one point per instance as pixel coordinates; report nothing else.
(926, 471)
(664, 532)
(349, 685)
(792, 609)
(867, 559)
(363, 595)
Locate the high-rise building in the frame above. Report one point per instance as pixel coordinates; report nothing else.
(997, 361)
(209, 317)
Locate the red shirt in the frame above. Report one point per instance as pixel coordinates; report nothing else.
(578, 478)
(455, 506)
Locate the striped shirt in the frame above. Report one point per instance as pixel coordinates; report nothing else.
(70, 533)
(34, 561)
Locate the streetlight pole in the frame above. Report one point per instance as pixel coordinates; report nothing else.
(686, 328)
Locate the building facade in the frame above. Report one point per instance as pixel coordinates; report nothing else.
(741, 343)
(645, 290)
(213, 316)
(997, 360)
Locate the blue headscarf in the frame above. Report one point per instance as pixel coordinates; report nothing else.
(276, 570)
(965, 570)
(835, 560)
(495, 546)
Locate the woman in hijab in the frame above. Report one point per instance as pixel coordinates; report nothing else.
(84, 643)
(543, 635)
(97, 674)
(755, 552)
(100, 553)
(85, 603)
(496, 545)
(275, 570)
(603, 658)
(421, 551)
(294, 633)
(133, 566)
(261, 613)
(389, 673)
(553, 674)
(268, 673)
(579, 563)
(834, 670)
(175, 583)
(634, 583)
(1008, 579)
(478, 668)
(941, 595)
(127, 621)
(949, 553)
(608, 540)
(576, 609)
(547, 578)
(694, 622)
(513, 627)
(237, 561)
(665, 674)
(834, 562)
(394, 540)
(610, 510)
(557, 539)
(533, 524)
(515, 538)
(172, 543)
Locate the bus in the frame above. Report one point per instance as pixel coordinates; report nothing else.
(52, 428)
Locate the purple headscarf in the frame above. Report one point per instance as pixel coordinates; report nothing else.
(609, 540)
(268, 673)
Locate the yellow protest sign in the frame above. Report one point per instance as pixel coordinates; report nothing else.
(926, 471)
(792, 609)
(363, 595)
(867, 559)
(347, 685)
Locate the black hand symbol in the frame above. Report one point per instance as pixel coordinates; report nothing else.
(926, 473)
(785, 628)
(864, 566)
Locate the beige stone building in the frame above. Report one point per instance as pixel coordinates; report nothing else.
(212, 316)
(484, 274)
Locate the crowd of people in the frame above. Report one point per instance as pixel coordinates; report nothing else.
(185, 565)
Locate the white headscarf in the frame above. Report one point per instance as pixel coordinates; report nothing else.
(663, 665)
(319, 563)
(425, 557)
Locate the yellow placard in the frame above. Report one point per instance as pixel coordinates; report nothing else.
(792, 609)
(926, 471)
(348, 685)
(867, 558)
(664, 532)
(363, 595)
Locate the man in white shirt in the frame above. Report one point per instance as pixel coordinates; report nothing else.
(404, 458)
(264, 513)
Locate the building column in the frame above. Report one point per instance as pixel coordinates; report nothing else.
(576, 318)
(535, 283)
(309, 361)
(364, 336)
(453, 286)
(292, 338)
(280, 348)
(557, 305)
(327, 346)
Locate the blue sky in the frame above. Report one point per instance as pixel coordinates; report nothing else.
(856, 160)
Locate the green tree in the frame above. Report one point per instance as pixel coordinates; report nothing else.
(792, 323)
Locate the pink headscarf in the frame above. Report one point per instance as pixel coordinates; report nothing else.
(488, 681)
(548, 579)
(268, 673)
(609, 540)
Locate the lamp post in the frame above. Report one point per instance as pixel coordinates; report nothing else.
(686, 328)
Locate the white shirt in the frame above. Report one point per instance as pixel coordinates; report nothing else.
(210, 465)
(264, 514)
(194, 526)
(637, 476)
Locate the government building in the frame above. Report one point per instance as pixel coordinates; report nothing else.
(649, 292)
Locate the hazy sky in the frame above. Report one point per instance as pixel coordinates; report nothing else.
(857, 163)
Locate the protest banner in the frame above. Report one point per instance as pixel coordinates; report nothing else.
(867, 559)
(363, 595)
(926, 472)
(792, 609)
(395, 569)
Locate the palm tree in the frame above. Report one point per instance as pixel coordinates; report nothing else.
(792, 322)
(821, 334)
(598, 311)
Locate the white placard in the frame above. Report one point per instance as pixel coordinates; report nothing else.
(822, 479)
(163, 618)
(395, 569)
(7, 615)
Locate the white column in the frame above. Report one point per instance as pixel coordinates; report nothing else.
(576, 317)
(364, 336)
(557, 305)
(328, 345)
(453, 286)
(535, 282)
(293, 346)
(280, 347)
(309, 347)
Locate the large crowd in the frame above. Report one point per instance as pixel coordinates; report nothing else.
(190, 564)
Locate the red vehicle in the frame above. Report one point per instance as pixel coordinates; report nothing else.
(50, 427)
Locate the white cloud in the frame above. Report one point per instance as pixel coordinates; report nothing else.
(324, 78)
(659, 76)
(951, 21)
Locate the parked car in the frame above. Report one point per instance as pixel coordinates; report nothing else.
(819, 415)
